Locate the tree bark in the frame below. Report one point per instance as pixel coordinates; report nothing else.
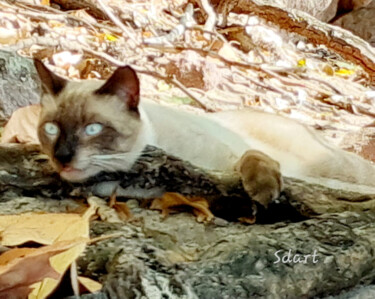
(180, 257)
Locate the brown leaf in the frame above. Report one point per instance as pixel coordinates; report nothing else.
(38, 271)
(172, 200)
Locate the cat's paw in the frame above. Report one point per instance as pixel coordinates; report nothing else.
(261, 176)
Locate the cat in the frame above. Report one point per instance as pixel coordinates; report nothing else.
(92, 126)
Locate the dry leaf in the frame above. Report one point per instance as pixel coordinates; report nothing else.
(121, 208)
(22, 126)
(43, 228)
(301, 62)
(35, 273)
(89, 284)
(228, 52)
(344, 72)
(111, 37)
(172, 200)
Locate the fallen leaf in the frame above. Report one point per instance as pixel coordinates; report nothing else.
(301, 63)
(35, 273)
(111, 37)
(170, 200)
(228, 52)
(89, 284)
(344, 72)
(43, 228)
(22, 126)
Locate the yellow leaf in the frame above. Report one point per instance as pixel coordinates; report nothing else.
(110, 37)
(89, 284)
(344, 72)
(43, 288)
(301, 62)
(146, 34)
(43, 228)
(60, 262)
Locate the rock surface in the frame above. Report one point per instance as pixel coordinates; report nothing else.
(19, 83)
(361, 22)
(323, 10)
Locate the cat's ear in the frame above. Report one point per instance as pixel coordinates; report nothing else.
(123, 83)
(51, 83)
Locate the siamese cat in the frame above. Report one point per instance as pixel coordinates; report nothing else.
(92, 126)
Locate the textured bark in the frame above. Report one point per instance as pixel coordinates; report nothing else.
(179, 257)
(25, 171)
(19, 83)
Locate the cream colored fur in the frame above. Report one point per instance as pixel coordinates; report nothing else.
(216, 141)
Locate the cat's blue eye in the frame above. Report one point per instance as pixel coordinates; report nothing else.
(93, 129)
(51, 129)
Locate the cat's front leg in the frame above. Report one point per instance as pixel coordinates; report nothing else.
(261, 176)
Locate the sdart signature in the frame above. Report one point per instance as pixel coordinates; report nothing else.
(294, 258)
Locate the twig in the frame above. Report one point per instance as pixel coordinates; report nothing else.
(105, 237)
(115, 20)
(211, 19)
(178, 84)
(173, 81)
(186, 21)
(74, 279)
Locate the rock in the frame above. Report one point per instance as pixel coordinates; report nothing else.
(324, 10)
(348, 5)
(361, 22)
(19, 83)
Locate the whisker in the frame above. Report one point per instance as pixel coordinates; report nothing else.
(113, 162)
(116, 156)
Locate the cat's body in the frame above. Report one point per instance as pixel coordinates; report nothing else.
(90, 126)
(217, 140)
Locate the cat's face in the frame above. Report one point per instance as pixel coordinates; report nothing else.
(88, 127)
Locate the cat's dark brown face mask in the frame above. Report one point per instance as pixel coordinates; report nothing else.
(89, 126)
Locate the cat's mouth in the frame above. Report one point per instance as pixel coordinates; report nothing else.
(73, 174)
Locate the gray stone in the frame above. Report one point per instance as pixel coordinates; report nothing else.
(19, 83)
